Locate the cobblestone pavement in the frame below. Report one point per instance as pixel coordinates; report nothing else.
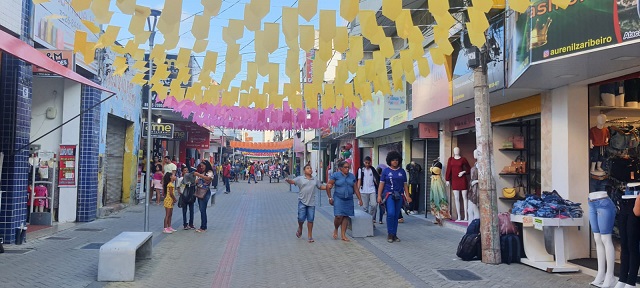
(251, 243)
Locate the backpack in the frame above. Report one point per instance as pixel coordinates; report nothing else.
(470, 247)
(505, 224)
(188, 195)
(474, 227)
(510, 248)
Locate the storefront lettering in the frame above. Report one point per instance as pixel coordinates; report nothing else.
(546, 7)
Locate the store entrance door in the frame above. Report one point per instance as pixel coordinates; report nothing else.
(116, 131)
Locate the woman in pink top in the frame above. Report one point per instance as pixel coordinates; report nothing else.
(157, 183)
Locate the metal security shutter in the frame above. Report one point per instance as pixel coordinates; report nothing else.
(116, 130)
(433, 152)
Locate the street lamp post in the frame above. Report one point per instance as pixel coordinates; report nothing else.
(152, 20)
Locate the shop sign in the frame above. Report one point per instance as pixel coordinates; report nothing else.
(198, 138)
(516, 109)
(462, 122)
(308, 66)
(463, 89)
(527, 221)
(399, 118)
(545, 31)
(59, 32)
(433, 92)
(315, 145)
(395, 103)
(67, 170)
(179, 135)
(365, 143)
(538, 223)
(428, 130)
(63, 57)
(158, 130)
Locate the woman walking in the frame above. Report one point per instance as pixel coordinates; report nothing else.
(393, 188)
(346, 185)
(204, 176)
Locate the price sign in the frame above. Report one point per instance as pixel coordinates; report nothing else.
(67, 174)
(527, 221)
(537, 223)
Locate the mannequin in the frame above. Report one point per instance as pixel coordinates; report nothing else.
(602, 214)
(473, 212)
(598, 140)
(457, 167)
(414, 170)
(437, 196)
(629, 239)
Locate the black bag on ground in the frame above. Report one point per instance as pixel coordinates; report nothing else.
(474, 227)
(470, 247)
(510, 248)
(188, 195)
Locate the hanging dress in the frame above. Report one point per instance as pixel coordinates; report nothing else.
(437, 195)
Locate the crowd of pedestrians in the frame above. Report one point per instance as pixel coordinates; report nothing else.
(378, 191)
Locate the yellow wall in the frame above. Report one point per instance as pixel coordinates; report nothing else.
(130, 166)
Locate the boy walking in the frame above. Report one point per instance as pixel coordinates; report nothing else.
(368, 179)
(306, 200)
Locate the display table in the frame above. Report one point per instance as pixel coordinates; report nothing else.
(533, 242)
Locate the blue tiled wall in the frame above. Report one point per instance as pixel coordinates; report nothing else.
(88, 155)
(15, 125)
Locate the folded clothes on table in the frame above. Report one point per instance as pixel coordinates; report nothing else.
(550, 205)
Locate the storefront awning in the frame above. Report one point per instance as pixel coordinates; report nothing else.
(24, 51)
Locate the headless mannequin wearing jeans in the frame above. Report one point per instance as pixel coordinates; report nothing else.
(629, 241)
(602, 237)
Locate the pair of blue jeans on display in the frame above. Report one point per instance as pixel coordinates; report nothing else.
(393, 211)
(202, 205)
(602, 214)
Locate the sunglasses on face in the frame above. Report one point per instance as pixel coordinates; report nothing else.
(346, 167)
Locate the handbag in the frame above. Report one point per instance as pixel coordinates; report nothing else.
(520, 165)
(201, 192)
(518, 141)
(509, 192)
(520, 190)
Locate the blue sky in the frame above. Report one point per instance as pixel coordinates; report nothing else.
(231, 9)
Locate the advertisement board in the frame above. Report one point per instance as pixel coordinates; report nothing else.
(546, 32)
(370, 118)
(158, 130)
(59, 32)
(197, 138)
(395, 103)
(433, 92)
(67, 170)
(173, 74)
(428, 130)
(463, 75)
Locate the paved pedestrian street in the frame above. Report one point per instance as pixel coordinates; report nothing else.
(251, 242)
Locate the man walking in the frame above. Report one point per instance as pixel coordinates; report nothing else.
(368, 180)
(252, 173)
(226, 176)
(169, 166)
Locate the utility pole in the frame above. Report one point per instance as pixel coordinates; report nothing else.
(488, 199)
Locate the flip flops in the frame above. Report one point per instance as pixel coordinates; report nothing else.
(298, 233)
(311, 240)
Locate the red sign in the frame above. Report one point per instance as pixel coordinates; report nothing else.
(198, 138)
(67, 174)
(63, 57)
(428, 130)
(311, 55)
(462, 122)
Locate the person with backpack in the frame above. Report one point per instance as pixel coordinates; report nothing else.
(187, 197)
(393, 190)
(368, 180)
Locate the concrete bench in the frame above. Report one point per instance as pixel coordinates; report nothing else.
(361, 224)
(117, 260)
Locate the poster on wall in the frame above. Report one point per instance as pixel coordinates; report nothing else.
(66, 58)
(549, 32)
(59, 32)
(67, 170)
(197, 138)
